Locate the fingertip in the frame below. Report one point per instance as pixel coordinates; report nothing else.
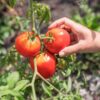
(56, 23)
(61, 54)
(50, 27)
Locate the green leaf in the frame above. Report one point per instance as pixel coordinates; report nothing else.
(10, 92)
(21, 84)
(16, 98)
(3, 88)
(69, 84)
(4, 92)
(68, 72)
(46, 90)
(15, 93)
(46, 15)
(41, 14)
(64, 85)
(4, 98)
(12, 3)
(12, 79)
(19, 98)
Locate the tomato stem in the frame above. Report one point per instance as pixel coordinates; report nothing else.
(33, 80)
(28, 85)
(48, 37)
(48, 83)
(31, 16)
(57, 96)
(29, 36)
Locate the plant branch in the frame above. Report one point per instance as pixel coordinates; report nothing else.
(47, 37)
(33, 80)
(31, 16)
(48, 83)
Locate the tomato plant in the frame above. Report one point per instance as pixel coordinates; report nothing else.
(46, 64)
(50, 77)
(59, 40)
(23, 82)
(27, 45)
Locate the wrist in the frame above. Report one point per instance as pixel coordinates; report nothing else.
(97, 41)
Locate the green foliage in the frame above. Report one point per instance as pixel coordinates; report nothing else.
(40, 13)
(12, 79)
(13, 88)
(88, 18)
(9, 27)
(11, 3)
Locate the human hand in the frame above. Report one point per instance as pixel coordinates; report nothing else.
(84, 38)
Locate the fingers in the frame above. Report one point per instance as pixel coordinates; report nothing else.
(69, 50)
(74, 38)
(65, 27)
(57, 23)
(75, 27)
(62, 21)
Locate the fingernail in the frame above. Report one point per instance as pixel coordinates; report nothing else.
(61, 54)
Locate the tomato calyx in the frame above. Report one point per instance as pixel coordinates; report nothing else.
(48, 38)
(42, 37)
(32, 37)
(51, 37)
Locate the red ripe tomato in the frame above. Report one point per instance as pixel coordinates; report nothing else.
(26, 46)
(46, 64)
(61, 39)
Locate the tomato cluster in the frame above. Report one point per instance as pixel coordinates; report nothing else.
(28, 44)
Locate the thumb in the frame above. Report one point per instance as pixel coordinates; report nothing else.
(69, 50)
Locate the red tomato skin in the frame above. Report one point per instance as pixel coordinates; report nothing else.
(61, 40)
(46, 64)
(27, 47)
